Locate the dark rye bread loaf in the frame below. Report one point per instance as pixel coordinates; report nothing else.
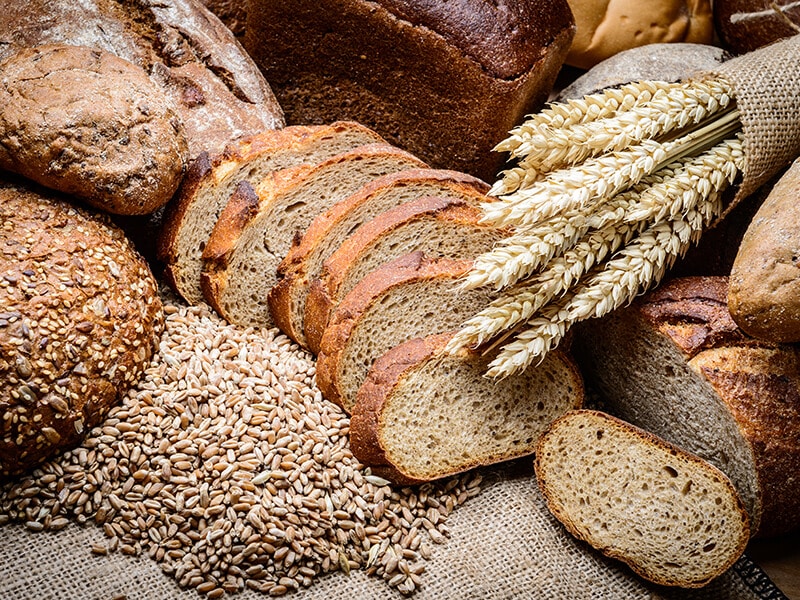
(410, 297)
(303, 264)
(674, 363)
(211, 180)
(422, 414)
(445, 81)
(439, 227)
(215, 87)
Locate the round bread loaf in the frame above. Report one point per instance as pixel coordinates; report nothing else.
(80, 318)
(87, 123)
(606, 27)
(745, 25)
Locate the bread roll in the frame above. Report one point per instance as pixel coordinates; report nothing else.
(605, 27)
(90, 124)
(80, 318)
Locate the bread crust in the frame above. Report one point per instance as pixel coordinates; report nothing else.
(746, 25)
(324, 293)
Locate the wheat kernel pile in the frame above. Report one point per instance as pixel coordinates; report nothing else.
(227, 467)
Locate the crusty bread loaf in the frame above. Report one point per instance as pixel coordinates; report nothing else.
(303, 264)
(80, 318)
(412, 296)
(90, 124)
(216, 89)
(671, 516)
(422, 414)
(746, 25)
(255, 230)
(764, 294)
(675, 364)
(211, 180)
(445, 81)
(440, 227)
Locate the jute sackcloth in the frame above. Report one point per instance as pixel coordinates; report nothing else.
(504, 545)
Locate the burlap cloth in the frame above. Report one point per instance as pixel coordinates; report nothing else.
(504, 544)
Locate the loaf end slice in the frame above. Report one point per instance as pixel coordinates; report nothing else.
(674, 518)
(423, 414)
(210, 180)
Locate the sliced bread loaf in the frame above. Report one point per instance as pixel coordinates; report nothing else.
(445, 227)
(255, 230)
(303, 264)
(210, 181)
(675, 363)
(672, 517)
(423, 414)
(409, 297)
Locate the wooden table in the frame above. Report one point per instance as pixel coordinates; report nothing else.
(780, 559)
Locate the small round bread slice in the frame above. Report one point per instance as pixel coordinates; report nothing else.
(303, 264)
(423, 414)
(412, 296)
(255, 230)
(444, 227)
(674, 518)
(211, 180)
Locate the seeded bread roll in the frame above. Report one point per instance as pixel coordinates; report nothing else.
(410, 297)
(675, 363)
(256, 229)
(90, 124)
(672, 517)
(422, 414)
(444, 81)
(211, 180)
(438, 226)
(80, 318)
(303, 263)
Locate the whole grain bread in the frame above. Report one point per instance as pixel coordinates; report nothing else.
(675, 363)
(445, 81)
(746, 25)
(216, 89)
(440, 227)
(211, 180)
(412, 296)
(303, 263)
(423, 414)
(80, 318)
(256, 229)
(672, 517)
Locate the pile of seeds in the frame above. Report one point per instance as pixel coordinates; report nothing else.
(227, 466)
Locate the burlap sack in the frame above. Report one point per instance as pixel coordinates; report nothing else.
(504, 545)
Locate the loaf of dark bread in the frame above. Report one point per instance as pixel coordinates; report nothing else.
(674, 363)
(746, 25)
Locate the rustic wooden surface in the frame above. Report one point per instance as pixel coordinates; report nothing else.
(780, 559)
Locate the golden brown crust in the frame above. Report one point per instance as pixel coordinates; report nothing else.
(410, 267)
(80, 318)
(324, 294)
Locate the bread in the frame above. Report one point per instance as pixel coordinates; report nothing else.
(211, 180)
(672, 517)
(92, 125)
(216, 89)
(440, 227)
(675, 363)
(764, 295)
(303, 263)
(746, 25)
(412, 296)
(422, 414)
(606, 27)
(80, 318)
(231, 12)
(255, 230)
(444, 81)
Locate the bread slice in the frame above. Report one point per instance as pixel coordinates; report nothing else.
(210, 181)
(443, 227)
(675, 363)
(672, 517)
(303, 264)
(422, 414)
(255, 230)
(412, 296)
